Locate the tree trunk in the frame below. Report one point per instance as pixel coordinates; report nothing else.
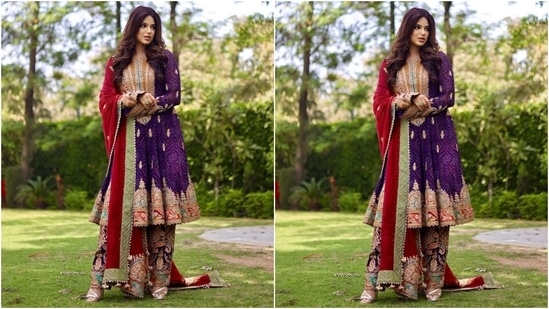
(490, 189)
(118, 21)
(173, 28)
(301, 149)
(60, 193)
(28, 140)
(448, 30)
(216, 188)
(334, 193)
(392, 16)
(235, 162)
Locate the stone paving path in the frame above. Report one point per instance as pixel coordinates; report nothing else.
(249, 235)
(264, 236)
(528, 237)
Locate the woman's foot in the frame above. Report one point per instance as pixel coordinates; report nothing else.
(434, 295)
(368, 296)
(94, 295)
(160, 293)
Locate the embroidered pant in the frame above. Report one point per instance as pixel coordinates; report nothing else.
(149, 268)
(428, 268)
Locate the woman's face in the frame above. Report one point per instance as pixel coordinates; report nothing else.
(146, 32)
(420, 35)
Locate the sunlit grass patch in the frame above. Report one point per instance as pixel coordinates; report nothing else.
(47, 255)
(320, 259)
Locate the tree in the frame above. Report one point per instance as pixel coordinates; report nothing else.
(44, 36)
(448, 30)
(324, 37)
(501, 87)
(227, 83)
(300, 153)
(173, 28)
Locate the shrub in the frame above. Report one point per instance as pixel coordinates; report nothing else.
(260, 205)
(508, 205)
(73, 149)
(286, 179)
(76, 199)
(36, 193)
(230, 203)
(478, 200)
(233, 203)
(350, 201)
(504, 205)
(533, 206)
(14, 179)
(311, 194)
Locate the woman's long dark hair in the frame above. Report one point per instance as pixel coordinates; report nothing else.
(428, 52)
(126, 47)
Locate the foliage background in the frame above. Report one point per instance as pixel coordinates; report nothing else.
(325, 128)
(52, 72)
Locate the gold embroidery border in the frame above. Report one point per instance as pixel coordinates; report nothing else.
(395, 275)
(121, 274)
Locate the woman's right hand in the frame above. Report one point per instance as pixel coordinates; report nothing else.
(128, 101)
(402, 103)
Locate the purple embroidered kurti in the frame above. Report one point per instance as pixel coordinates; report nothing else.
(156, 161)
(436, 192)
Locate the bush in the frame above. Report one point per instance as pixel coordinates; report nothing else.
(346, 151)
(310, 194)
(260, 205)
(350, 201)
(508, 205)
(230, 203)
(207, 204)
(233, 203)
(286, 179)
(504, 205)
(478, 200)
(37, 193)
(73, 149)
(533, 206)
(14, 179)
(76, 199)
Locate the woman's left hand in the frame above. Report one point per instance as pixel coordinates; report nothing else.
(422, 102)
(148, 100)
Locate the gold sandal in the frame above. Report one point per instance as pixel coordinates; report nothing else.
(160, 293)
(434, 295)
(368, 296)
(94, 295)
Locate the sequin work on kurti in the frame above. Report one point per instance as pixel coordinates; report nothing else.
(164, 192)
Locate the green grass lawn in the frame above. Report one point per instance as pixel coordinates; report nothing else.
(39, 246)
(311, 247)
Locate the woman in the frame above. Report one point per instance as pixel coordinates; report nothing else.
(147, 189)
(421, 191)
